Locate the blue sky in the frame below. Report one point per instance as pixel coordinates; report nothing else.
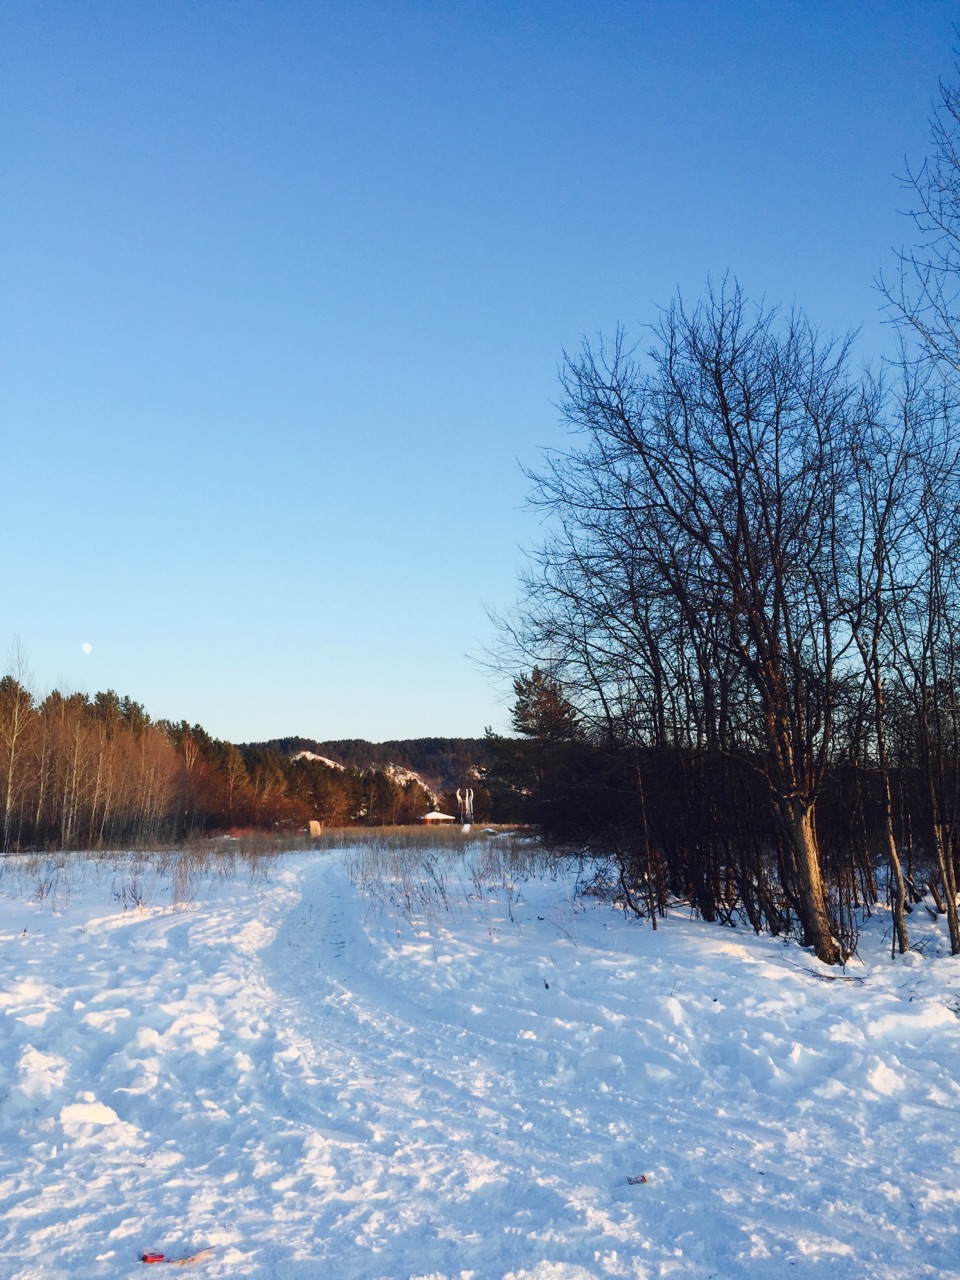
(286, 287)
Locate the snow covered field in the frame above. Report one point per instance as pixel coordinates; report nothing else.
(459, 1073)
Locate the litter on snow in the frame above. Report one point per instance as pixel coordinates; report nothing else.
(178, 1262)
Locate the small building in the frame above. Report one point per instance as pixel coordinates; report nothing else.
(435, 816)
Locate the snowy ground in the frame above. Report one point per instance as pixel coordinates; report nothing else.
(318, 1082)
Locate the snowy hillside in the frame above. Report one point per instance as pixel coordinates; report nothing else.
(311, 755)
(351, 1068)
(398, 772)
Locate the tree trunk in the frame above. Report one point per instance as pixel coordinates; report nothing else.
(815, 917)
(949, 885)
(896, 868)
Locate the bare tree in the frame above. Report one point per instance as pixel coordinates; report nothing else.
(927, 617)
(696, 557)
(924, 293)
(881, 537)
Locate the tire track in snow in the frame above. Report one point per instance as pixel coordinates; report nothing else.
(462, 1133)
(727, 1098)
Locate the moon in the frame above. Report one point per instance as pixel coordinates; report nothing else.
(86, 647)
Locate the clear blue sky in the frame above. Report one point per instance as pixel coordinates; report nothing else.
(285, 287)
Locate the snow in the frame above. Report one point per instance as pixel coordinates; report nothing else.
(401, 774)
(361, 1066)
(310, 755)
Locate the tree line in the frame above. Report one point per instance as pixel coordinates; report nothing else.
(743, 626)
(94, 772)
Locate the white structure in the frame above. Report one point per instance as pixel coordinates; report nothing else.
(465, 805)
(436, 816)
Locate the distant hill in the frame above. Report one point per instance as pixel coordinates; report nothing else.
(443, 763)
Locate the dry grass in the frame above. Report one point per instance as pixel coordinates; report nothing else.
(133, 879)
(138, 878)
(450, 836)
(419, 881)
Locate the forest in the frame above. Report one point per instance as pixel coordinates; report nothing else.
(742, 630)
(446, 763)
(81, 772)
